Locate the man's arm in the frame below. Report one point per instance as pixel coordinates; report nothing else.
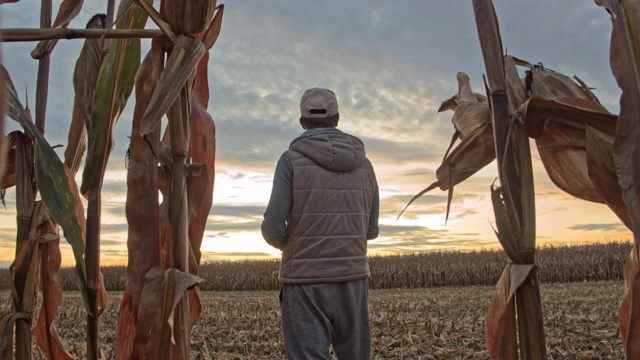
(372, 232)
(274, 225)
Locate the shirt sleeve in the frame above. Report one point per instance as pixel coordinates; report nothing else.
(373, 230)
(274, 225)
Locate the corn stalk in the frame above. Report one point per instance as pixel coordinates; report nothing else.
(114, 85)
(164, 239)
(516, 303)
(625, 65)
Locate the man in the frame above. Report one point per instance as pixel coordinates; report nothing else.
(323, 208)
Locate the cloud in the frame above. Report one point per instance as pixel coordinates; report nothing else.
(598, 227)
(391, 67)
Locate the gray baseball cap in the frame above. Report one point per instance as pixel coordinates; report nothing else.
(318, 103)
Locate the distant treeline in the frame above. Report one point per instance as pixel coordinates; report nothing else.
(591, 262)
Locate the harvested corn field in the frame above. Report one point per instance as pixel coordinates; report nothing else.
(436, 323)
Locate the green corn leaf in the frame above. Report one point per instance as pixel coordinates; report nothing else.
(57, 186)
(114, 86)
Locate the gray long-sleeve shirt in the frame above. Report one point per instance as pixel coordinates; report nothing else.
(274, 225)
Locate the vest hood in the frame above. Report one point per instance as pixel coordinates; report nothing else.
(332, 149)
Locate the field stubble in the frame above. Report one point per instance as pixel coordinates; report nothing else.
(434, 323)
(423, 306)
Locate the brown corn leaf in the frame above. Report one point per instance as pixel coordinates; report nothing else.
(123, 346)
(68, 10)
(552, 85)
(142, 209)
(85, 78)
(7, 321)
(163, 289)
(142, 177)
(200, 189)
(45, 332)
(178, 69)
(559, 129)
(628, 313)
(9, 154)
(515, 85)
(211, 35)
(6, 333)
(501, 315)
(602, 173)
(202, 150)
(476, 148)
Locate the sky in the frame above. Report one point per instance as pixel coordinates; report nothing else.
(391, 64)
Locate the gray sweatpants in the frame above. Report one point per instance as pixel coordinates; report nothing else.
(315, 316)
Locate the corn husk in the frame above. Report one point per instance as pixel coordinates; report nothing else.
(472, 122)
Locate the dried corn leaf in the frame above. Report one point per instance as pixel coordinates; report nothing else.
(469, 116)
(25, 271)
(85, 77)
(501, 314)
(7, 321)
(142, 208)
(45, 332)
(123, 346)
(211, 35)
(9, 154)
(559, 129)
(628, 313)
(179, 68)
(202, 150)
(515, 85)
(163, 289)
(602, 173)
(68, 10)
(476, 149)
(200, 188)
(553, 85)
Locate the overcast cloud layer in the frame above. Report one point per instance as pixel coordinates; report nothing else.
(391, 64)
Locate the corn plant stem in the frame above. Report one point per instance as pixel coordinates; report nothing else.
(108, 23)
(93, 271)
(25, 197)
(44, 261)
(42, 88)
(15, 35)
(179, 129)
